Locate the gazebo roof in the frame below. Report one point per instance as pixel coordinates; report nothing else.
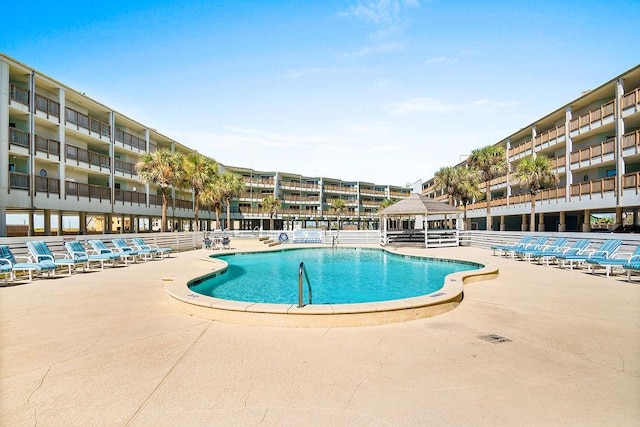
(417, 204)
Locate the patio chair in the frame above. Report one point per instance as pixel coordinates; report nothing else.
(632, 267)
(139, 244)
(533, 244)
(41, 252)
(605, 251)
(520, 244)
(528, 254)
(547, 256)
(101, 248)
(226, 243)
(76, 249)
(619, 259)
(9, 264)
(122, 246)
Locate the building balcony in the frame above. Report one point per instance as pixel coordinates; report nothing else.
(589, 189)
(631, 102)
(521, 150)
(87, 158)
(19, 181)
(593, 154)
(130, 141)
(631, 143)
(559, 164)
(92, 192)
(592, 119)
(297, 185)
(48, 186)
(127, 197)
(338, 189)
(48, 106)
(125, 168)
(19, 94)
(94, 127)
(19, 138)
(50, 147)
(550, 138)
(260, 182)
(300, 199)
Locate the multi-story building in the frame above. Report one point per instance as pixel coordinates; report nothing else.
(63, 154)
(594, 145)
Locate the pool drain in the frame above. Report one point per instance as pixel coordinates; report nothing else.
(493, 338)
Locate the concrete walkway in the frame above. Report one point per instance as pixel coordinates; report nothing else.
(105, 348)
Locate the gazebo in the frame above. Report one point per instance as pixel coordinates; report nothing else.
(420, 220)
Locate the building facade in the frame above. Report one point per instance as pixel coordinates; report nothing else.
(65, 155)
(594, 145)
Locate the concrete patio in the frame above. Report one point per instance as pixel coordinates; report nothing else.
(105, 348)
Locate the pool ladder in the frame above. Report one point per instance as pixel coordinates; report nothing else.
(301, 271)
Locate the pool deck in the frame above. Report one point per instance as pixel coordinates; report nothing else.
(106, 348)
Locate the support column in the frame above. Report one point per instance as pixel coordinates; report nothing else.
(108, 224)
(3, 221)
(60, 225)
(503, 223)
(47, 222)
(619, 218)
(540, 222)
(586, 223)
(523, 225)
(31, 231)
(82, 223)
(563, 222)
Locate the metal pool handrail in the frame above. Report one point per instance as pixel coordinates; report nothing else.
(302, 270)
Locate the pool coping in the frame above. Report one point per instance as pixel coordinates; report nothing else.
(182, 298)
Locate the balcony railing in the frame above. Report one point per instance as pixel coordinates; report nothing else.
(519, 149)
(131, 140)
(19, 137)
(605, 111)
(84, 121)
(299, 185)
(93, 192)
(131, 197)
(182, 204)
(631, 99)
(260, 182)
(631, 180)
(19, 181)
(47, 185)
(545, 194)
(631, 140)
(292, 199)
(550, 135)
(91, 157)
(559, 162)
(338, 189)
(47, 106)
(18, 93)
(594, 152)
(589, 188)
(50, 147)
(125, 167)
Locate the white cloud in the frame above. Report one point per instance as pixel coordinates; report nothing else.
(382, 13)
(430, 105)
(441, 60)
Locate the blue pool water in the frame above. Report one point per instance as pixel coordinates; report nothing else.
(337, 276)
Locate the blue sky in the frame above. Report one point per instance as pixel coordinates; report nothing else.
(379, 91)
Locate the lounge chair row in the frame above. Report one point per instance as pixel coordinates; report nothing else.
(42, 260)
(581, 253)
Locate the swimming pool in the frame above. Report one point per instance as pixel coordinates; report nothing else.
(337, 276)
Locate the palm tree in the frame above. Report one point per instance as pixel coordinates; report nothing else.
(387, 202)
(230, 185)
(271, 204)
(162, 168)
(338, 206)
(467, 187)
(212, 197)
(535, 173)
(445, 179)
(491, 162)
(199, 171)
